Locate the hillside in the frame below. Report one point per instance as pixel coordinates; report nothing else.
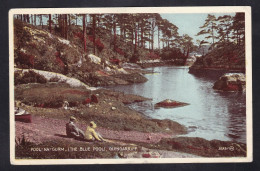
(36, 48)
(227, 56)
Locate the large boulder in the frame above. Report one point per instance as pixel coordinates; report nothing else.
(95, 59)
(231, 82)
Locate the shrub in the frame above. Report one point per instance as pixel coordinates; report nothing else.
(54, 101)
(120, 51)
(152, 55)
(172, 54)
(99, 44)
(25, 59)
(21, 36)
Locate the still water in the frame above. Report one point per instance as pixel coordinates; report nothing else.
(211, 114)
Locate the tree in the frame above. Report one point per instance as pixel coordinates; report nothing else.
(94, 31)
(209, 28)
(201, 45)
(238, 28)
(159, 27)
(50, 22)
(224, 27)
(84, 31)
(186, 44)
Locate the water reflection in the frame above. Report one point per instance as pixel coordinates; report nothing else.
(210, 115)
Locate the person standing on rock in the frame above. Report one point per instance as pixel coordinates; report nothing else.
(91, 134)
(73, 131)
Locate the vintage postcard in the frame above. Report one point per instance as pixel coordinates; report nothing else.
(130, 85)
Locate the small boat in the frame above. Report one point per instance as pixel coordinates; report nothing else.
(22, 115)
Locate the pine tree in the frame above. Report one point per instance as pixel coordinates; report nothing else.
(209, 28)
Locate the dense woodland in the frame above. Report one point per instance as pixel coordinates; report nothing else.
(225, 36)
(131, 37)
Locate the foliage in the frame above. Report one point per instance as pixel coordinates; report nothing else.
(152, 55)
(50, 95)
(174, 53)
(209, 28)
(224, 29)
(227, 48)
(21, 36)
(225, 55)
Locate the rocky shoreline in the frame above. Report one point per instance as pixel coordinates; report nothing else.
(213, 71)
(113, 118)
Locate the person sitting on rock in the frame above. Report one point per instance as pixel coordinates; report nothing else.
(91, 134)
(73, 131)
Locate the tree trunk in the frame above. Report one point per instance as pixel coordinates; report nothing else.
(69, 19)
(35, 19)
(152, 39)
(213, 34)
(50, 22)
(31, 19)
(138, 35)
(94, 33)
(84, 32)
(124, 33)
(66, 26)
(159, 40)
(114, 30)
(132, 32)
(135, 38)
(24, 18)
(142, 38)
(188, 51)
(41, 21)
(149, 43)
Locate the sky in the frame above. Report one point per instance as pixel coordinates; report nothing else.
(190, 23)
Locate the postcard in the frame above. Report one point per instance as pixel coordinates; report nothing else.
(130, 85)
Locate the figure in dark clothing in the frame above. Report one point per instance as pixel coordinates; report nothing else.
(73, 131)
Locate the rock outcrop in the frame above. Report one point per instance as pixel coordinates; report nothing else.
(73, 82)
(231, 82)
(170, 104)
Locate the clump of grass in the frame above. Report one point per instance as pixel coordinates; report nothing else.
(50, 95)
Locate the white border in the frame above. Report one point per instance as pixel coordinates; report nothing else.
(220, 9)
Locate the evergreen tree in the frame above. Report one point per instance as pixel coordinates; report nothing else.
(209, 28)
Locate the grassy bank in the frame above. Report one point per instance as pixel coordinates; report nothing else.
(110, 111)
